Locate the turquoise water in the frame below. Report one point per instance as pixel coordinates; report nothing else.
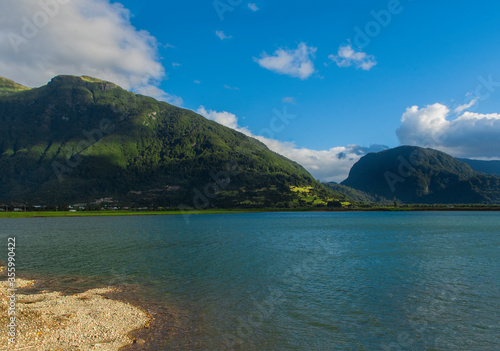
(290, 281)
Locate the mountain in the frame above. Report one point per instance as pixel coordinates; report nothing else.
(81, 139)
(417, 175)
(488, 167)
(356, 195)
(8, 86)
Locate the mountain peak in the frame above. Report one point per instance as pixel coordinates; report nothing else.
(85, 81)
(9, 86)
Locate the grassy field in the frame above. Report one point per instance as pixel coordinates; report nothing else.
(44, 214)
(39, 214)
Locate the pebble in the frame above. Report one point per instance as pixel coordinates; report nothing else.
(50, 321)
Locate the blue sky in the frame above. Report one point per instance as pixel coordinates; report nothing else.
(239, 66)
(430, 52)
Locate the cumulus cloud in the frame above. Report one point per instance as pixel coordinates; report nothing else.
(468, 134)
(77, 37)
(347, 57)
(295, 63)
(333, 164)
(328, 165)
(225, 118)
(221, 35)
(253, 7)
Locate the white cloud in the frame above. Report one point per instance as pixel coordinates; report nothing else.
(470, 134)
(288, 100)
(328, 165)
(225, 118)
(228, 87)
(253, 7)
(77, 37)
(295, 63)
(466, 106)
(347, 57)
(175, 64)
(197, 81)
(221, 35)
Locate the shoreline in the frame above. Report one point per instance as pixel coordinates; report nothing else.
(104, 213)
(93, 318)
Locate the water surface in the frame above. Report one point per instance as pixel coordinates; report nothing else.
(290, 281)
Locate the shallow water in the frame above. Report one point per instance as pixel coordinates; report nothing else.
(287, 281)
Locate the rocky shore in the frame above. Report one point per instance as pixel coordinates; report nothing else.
(50, 320)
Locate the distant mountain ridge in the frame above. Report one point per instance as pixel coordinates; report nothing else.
(488, 167)
(79, 139)
(358, 196)
(412, 174)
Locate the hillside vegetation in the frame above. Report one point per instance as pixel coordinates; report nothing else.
(8, 86)
(488, 167)
(80, 139)
(412, 174)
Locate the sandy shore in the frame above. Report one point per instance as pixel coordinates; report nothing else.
(53, 321)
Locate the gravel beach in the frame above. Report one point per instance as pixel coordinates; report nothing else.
(52, 321)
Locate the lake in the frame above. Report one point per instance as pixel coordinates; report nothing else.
(288, 281)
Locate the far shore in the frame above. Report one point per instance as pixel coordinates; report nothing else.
(408, 208)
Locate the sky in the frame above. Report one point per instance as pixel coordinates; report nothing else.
(320, 82)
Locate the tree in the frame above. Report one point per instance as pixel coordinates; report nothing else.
(334, 203)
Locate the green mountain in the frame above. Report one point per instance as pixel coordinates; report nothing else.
(488, 167)
(417, 175)
(83, 140)
(8, 86)
(358, 196)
